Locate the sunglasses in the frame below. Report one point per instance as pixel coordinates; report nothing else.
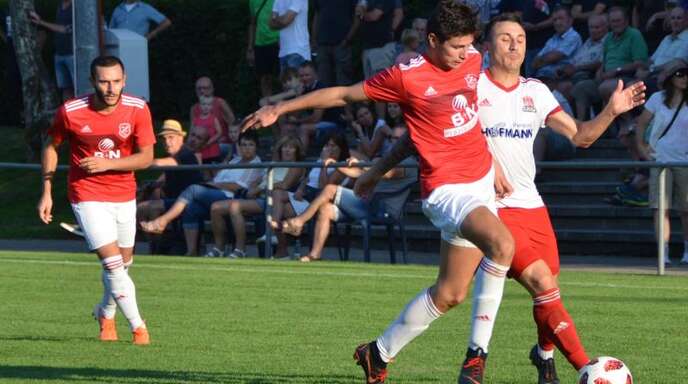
(681, 73)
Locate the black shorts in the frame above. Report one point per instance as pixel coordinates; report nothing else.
(267, 61)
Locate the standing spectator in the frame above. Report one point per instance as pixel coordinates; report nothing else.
(559, 49)
(290, 17)
(673, 48)
(334, 26)
(64, 50)
(652, 18)
(582, 11)
(377, 39)
(220, 108)
(668, 142)
(537, 21)
(138, 16)
(263, 48)
(210, 152)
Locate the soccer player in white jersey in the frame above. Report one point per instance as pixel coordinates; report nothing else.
(512, 110)
(110, 135)
(437, 95)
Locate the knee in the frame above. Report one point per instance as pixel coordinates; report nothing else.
(330, 190)
(501, 247)
(234, 208)
(217, 209)
(326, 212)
(538, 281)
(448, 296)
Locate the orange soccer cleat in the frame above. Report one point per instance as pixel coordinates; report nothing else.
(108, 330)
(141, 336)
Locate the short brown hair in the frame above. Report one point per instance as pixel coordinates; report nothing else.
(452, 19)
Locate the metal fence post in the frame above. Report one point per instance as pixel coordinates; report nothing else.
(661, 212)
(268, 214)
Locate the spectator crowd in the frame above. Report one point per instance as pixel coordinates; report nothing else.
(579, 49)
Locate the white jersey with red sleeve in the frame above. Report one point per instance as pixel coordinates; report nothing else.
(511, 119)
(112, 136)
(440, 109)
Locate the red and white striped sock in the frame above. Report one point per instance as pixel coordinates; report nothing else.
(487, 295)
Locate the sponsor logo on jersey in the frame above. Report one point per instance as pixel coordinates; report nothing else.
(124, 130)
(106, 149)
(500, 130)
(484, 103)
(528, 104)
(430, 91)
(86, 129)
(471, 81)
(464, 119)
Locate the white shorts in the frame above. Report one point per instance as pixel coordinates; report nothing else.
(104, 222)
(449, 205)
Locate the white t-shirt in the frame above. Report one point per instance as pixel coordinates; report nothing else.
(294, 38)
(674, 145)
(243, 177)
(511, 119)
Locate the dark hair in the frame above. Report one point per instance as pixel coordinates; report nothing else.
(288, 74)
(307, 64)
(562, 8)
(501, 18)
(623, 11)
(249, 135)
(105, 61)
(288, 140)
(452, 19)
(340, 140)
(670, 90)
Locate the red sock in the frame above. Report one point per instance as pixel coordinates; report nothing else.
(555, 326)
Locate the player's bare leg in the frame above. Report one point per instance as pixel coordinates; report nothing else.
(159, 224)
(294, 226)
(122, 288)
(554, 324)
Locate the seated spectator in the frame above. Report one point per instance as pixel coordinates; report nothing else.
(668, 142)
(233, 143)
(220, 109)
(394, 115)
(138, 17)
(652, 18)
(582, 11)
(211, 152)
(288, 204)
(288, 148)
(484, 9)
(171, 183)
(290, 18)
(410, 42)
(624, 52)
(371, 132)
(588, 57)
(316, 122)
(336, 202)
(420, 25)
(291, 87)
(193, 204)
(673, 48)
(559, 49)
(551, 145)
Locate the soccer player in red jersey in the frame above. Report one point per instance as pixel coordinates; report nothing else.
(437, 94)
(110, 136)
(512, 110)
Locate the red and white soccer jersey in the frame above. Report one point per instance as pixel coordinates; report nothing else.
(113, 136)
(511, 119)
(440, 109)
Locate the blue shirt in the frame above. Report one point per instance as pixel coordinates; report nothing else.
(138, 19)
(567, 43)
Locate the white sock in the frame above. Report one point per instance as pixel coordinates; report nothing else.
(108, 306)
(123, 290)
(544, 355)
(412, 321)
(487, 295)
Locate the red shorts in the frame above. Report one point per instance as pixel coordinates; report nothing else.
(533, 236)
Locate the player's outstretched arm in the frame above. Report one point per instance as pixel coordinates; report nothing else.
(139, 160)
(320, 99)
(583, 134)
(366, 182)
(48, 167)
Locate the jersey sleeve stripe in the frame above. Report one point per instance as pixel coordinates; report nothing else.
(552, 112)
(77, 101)
(76, 107)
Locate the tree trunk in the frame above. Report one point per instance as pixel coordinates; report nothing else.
(40, 94)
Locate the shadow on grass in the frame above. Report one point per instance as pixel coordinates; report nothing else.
(44, 338)
(138, 376)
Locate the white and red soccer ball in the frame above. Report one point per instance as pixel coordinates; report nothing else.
(605, 370)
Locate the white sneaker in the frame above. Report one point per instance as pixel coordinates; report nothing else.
(214, 252)
(236, 254)
(72, 228)
(684, 260)
(273, 239)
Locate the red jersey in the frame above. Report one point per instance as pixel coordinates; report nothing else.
(441, 111)
(216, 111)
(111, 136)
(209, 151)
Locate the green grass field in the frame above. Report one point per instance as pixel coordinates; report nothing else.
(255, 321)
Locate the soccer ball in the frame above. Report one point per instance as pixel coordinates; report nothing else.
(605, 370)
